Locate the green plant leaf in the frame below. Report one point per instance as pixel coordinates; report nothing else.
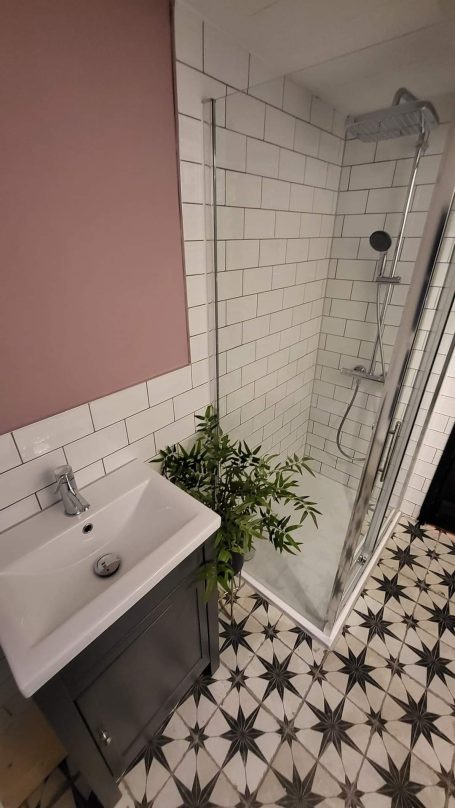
(246, 488)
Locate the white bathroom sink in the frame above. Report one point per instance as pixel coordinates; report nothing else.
(52, 605)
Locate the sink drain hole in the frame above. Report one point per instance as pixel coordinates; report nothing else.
(107, 565)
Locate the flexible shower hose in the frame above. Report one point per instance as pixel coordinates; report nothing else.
(354, 455)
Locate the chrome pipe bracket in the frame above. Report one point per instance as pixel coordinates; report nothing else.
(388, 279)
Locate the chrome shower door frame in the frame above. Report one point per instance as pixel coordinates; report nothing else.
(428, 251)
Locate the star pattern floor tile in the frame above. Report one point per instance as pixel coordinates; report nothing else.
(298, 640)
(278, 678)
(160, 757)
(431, 662)
(393, 589)
(376, 626)
(437, 618)
(392, 776)
(285, 722)
(296, 778)
(358, 672)
(197, 781)
(205, 696)
(333, 729)
(242, 737)
(240, 638)
(419, 720)
(409, 559)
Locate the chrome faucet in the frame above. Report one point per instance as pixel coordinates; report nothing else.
(73, 502)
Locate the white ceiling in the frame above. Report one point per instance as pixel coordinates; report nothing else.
(353, 53)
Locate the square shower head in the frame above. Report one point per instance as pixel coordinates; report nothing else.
(400, 119)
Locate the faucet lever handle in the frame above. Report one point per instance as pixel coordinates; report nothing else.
(63, 471)
(63, 474)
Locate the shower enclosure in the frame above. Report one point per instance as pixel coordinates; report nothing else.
(329, 300)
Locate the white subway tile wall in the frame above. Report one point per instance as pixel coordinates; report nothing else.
(272, 288)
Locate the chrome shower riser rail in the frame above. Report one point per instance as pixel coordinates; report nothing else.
(390, 280)
(421, 146)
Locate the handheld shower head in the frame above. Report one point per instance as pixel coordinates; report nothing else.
(380, 241)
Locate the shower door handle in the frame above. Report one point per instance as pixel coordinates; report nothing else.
(394, 437)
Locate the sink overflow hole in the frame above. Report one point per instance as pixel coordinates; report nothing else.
(87, 528)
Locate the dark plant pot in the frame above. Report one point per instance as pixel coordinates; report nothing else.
(237, 560)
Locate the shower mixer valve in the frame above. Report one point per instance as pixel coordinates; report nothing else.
(360, 372)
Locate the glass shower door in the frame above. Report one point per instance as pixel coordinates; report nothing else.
(427, 308)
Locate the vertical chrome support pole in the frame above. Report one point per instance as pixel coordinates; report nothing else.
(215, 253)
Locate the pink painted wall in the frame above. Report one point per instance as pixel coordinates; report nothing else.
(92, 295)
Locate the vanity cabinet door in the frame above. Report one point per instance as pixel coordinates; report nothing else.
(126, 704)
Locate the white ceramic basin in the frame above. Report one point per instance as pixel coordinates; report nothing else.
(52, 605)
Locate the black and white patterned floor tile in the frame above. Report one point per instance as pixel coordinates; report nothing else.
(421, 721)
(240, 638)
(299, 641)
(376, 626)
(242, 737)
(207, 694)
(394, 590)
(429, 661)
(436, 617)
(284, 722)
(391, 775)
(358, 672)
(410, 559)
(255, 604)
(333, 729)
(162, 755)
(197, 781)
(278, 678)
(297, 779)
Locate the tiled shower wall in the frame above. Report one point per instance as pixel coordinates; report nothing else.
(372, 195)
(278, 173)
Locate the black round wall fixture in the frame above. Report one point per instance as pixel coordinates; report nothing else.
(380, 241)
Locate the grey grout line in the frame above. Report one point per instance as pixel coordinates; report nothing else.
(17, 449)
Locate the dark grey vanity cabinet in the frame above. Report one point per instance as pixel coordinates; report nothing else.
(108, 702)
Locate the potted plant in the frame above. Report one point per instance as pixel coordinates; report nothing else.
(245, 488)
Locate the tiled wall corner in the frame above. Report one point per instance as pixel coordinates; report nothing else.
(280, 163)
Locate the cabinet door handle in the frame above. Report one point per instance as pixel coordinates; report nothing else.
(104, 736)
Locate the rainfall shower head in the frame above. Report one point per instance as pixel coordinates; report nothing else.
(404, 117)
